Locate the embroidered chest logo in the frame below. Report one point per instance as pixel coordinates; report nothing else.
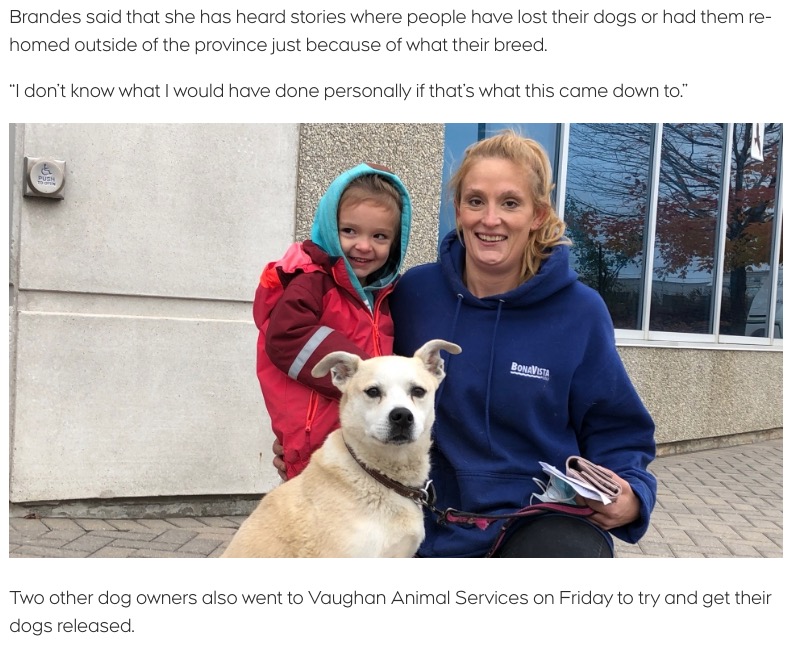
(530, 371)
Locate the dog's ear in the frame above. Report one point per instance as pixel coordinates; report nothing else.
(342, 365)
(430, 354)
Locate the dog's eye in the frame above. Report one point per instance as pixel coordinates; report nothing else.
(372, 392)
(418, 392)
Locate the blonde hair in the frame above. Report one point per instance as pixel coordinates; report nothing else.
(531, 157)
(375, 188)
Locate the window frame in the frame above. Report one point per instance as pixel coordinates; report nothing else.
(713, 340)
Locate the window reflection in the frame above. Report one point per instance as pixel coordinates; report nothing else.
(748, 235)
(605, 212)
(687, 212)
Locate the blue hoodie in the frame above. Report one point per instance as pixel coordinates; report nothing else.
(326, 235)
(539, 379)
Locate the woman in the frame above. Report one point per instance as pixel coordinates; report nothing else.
(539, 378)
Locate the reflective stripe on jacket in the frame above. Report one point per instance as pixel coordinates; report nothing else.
(305, 308)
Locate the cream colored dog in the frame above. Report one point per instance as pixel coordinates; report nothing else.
(343, 504)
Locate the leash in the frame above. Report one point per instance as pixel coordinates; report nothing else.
(425, 497)
(453, 516)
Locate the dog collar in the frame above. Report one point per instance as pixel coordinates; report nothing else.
(423, 496)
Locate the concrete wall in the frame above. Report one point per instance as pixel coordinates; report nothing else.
(133, 373)
(132, 345)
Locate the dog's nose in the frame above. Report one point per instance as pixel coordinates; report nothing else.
(401, 417)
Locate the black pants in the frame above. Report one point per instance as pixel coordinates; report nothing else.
(555, 536)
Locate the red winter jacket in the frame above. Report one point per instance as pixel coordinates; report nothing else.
(305, 308)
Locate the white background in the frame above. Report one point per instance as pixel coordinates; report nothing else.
(731, 74)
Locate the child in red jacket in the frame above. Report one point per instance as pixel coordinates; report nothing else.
(326, 294)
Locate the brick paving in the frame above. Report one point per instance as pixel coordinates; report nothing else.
(724, 502)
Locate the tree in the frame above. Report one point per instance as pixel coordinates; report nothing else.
(605, 209)
(607, 199)
(750, 216)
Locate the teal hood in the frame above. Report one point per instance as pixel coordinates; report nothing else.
(326, 235)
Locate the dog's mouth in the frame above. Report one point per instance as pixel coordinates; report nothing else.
(399, 438)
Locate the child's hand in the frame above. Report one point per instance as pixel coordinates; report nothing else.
(278, 460)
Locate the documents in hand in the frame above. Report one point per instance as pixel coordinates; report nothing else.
(589, 480)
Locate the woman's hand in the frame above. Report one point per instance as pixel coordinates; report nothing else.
(278, 460)
(625, 509)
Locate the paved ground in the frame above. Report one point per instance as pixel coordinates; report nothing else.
(723, 502)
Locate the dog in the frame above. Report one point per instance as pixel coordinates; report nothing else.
(361, 495)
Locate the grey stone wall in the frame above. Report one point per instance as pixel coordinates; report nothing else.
(412, 151)
(704, 394)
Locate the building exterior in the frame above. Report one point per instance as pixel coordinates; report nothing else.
(132, 347)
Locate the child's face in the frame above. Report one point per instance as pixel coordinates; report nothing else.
(366, 232)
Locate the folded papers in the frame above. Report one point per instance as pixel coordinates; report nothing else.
(587, 479)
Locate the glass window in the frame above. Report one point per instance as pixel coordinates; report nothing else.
(682, 290)
(605, 211)
(749, 232)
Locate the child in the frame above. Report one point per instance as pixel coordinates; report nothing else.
(325, 294)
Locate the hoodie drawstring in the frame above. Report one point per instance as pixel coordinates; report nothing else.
(490, 374)
(451, 337)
